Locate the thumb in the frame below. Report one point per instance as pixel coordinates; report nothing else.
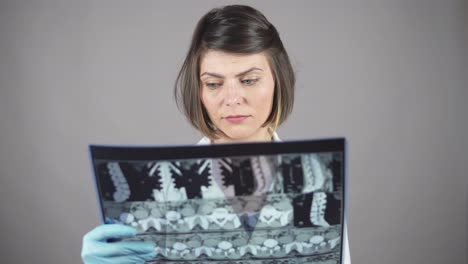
(104, 232)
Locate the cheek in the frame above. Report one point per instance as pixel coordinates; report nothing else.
(265, 95)
(208, 103)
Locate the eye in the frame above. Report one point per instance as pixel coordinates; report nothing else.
(249, 81)
(212, 86)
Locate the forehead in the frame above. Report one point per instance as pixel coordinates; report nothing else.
(231, 63)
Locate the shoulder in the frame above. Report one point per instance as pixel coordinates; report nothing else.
(204, 141)
(276, 138)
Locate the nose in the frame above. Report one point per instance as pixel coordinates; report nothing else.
(233, 95)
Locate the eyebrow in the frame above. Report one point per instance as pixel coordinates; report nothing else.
(237, 75)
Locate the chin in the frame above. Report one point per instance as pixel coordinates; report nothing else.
(241, 135)
(238, 135)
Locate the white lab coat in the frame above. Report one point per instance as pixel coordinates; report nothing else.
(346, 254)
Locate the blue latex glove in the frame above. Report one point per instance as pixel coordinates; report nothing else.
(96, 249)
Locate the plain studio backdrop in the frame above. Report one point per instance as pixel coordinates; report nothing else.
(390, 76)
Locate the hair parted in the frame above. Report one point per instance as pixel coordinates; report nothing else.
(236, 29)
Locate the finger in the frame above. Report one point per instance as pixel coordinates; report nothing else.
(133, 258)
(104, 232)
(148, 256)
(119, 259)
(125, 248)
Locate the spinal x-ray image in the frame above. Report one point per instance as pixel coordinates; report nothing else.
(284, 208)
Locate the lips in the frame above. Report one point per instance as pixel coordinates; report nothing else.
(236, 118)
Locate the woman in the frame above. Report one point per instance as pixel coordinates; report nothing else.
(236, 85)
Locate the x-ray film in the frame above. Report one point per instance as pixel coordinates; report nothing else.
(249, 203)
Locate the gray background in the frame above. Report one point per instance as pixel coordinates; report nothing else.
(388, 75)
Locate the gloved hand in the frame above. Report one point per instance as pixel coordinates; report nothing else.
(96, 249)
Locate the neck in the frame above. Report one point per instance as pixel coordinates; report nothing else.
(263, 135)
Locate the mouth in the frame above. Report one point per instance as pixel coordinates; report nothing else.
(236, 118)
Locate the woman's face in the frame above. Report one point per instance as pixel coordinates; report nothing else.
(237, 92)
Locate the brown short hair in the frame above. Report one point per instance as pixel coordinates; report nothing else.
(236, 29)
